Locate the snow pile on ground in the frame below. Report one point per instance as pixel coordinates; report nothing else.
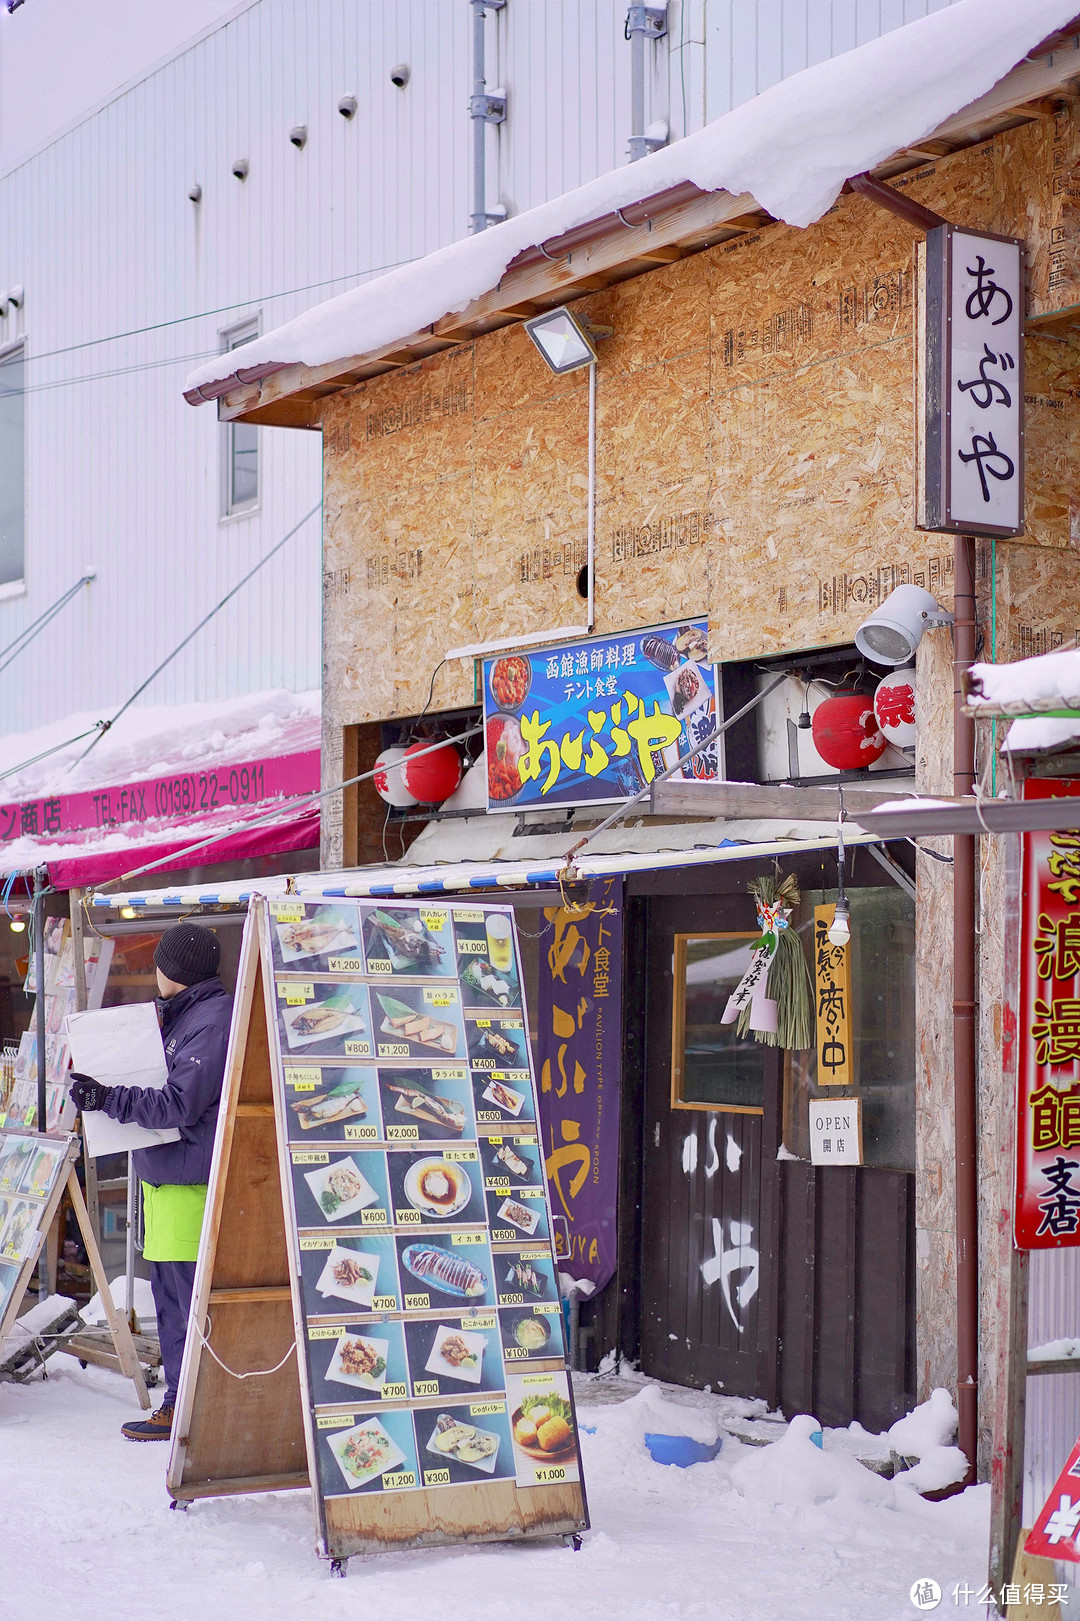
(142, 1301)
(791, 148)
(795, 1470)
(699, 1544)
(925, 1434)
(154, 739)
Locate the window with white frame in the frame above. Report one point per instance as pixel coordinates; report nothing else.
(12, 464)
(240, 444)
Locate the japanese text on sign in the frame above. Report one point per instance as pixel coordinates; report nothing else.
(832, 1000)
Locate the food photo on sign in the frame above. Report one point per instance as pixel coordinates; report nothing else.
(595, 721)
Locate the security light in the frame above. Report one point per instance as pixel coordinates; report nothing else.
(399, 75)
(298, 136)
(561, 340)
(241, 168)
(347, 106)
(894, 631)
(195, 193)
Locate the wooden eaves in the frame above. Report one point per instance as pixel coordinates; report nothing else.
(658, 230)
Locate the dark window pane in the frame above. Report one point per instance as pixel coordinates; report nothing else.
(244, 464)
(716, 1066)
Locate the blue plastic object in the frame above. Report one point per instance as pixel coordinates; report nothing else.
(680, 1450)
(818, 1439)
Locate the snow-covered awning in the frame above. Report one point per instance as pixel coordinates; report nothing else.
(470, 877)
(953, 77)
(1041, 696)
(233, 778)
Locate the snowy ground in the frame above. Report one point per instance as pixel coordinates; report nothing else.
(88, 1533)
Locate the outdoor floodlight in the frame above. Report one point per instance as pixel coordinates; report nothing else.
(562, 340)
(894, 631)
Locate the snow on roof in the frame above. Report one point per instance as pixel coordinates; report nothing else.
(152, 740)
(792, 148)
(1028, 686)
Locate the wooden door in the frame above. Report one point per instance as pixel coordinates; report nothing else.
(708, 1281)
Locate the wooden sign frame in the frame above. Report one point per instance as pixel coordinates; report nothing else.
(245, 1417)
(119, 1328)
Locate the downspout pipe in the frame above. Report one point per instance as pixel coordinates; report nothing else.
(964, 1008)
(478, 218)
(483, 110)
(642, 22)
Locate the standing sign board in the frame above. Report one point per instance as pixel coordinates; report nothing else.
(1048, 1037)
(434, 1390)
(971, 460)
(590, 723)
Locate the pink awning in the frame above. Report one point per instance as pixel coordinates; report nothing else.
(297, 832)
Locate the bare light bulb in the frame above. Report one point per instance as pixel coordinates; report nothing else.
(840, 927)
(128, 911)
(18, 926)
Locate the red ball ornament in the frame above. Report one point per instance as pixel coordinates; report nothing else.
(846, 732)
(431, 777)
(894, 706)
(389, 779)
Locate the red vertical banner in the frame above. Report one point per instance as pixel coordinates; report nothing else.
(1048, 1034)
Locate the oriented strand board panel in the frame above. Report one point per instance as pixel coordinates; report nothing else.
(754, 452)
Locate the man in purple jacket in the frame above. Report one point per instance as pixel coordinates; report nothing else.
(195, 1011)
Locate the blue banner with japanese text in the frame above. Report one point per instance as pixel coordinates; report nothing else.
(593, 722)
(579, 1057)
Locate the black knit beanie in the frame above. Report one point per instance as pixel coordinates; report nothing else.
(188, 954)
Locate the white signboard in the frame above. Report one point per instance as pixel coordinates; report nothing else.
(836, 1131)
(972, 461)
(119, 1046)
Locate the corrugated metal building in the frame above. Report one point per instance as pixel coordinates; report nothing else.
(113, 280)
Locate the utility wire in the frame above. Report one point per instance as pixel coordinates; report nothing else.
(36, 626)
(205, 620)
(56, 749)
(222, 309)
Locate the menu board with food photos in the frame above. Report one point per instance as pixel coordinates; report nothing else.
(33, 1167)
(434, 1357)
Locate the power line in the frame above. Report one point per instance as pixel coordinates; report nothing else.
(205, 620)
(36, 626)
(101, 376)
(222, 309)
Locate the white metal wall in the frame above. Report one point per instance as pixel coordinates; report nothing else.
(99, 230)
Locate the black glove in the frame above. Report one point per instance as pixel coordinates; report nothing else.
(86, 1093)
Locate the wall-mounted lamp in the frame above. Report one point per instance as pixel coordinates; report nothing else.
(399, 75)
(565, 343)
(241, 168)
(347, 106)
(894, 631)
(298, 136)
(195, 193)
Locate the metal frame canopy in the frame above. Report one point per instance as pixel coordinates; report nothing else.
(463, 877)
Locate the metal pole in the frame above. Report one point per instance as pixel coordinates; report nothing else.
(592, 496)
(478, 218)
(964, 1106)
(129, 1246)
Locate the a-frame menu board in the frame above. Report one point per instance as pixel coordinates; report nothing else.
(434, 1387)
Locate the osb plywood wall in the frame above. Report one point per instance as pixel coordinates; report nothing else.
(754, 453)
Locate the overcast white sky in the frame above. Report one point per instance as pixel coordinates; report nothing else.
(59, 58)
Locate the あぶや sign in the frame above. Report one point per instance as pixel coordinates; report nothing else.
(1048, 1034)
(971, 462)
(593, 722)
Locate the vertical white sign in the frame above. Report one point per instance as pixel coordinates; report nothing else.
(971, 462)
(986, 400)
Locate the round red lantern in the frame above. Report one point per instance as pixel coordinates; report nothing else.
(389, 779)
(894, 706)
(431, 776)
(846, 733)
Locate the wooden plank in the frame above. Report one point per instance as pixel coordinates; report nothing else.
(119, 1327)
(1028, 1569)
(298, 1481)
(1064, 1364)
(358, 1525)
(229, 1429)
(240, 1297)
(736, 799)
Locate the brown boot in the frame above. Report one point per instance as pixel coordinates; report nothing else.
(158, 1427)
